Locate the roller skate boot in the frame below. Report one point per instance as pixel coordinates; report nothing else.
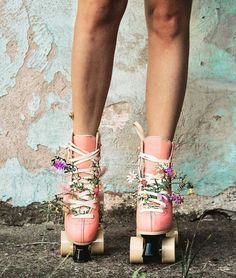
(155, 235)
(81, 198)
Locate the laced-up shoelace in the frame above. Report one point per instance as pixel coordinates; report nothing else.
(156, 201)
(156, 198)
(85, 199)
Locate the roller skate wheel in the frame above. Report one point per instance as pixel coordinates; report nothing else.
(136, 250)
(97, 246)
(173, 233)
(66, 245)
(168, 250)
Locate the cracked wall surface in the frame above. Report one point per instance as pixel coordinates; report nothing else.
(35, 99)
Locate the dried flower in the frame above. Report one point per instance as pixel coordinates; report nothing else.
(59, 163)
(161, 197)
(145, 195)
(131, 177)
(190, 191)
(178, 199)
(143, 182)
(170, 172)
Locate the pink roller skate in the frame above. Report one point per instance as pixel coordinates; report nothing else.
(83, 235)
(155, 234)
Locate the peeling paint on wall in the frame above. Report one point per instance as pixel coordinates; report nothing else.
(34, 105)
(25, 187)
(52, 127)
(50, 33)
(15, 29)
(35, 92)
(207, 59)
(115, 116)
(209, 134)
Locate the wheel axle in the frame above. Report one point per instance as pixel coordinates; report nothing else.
(81, 254)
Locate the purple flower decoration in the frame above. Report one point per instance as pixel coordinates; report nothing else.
(144, 182)
(170, 172)
(178, 199)
(160, 196)
(59, 163)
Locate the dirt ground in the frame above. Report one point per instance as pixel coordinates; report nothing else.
(30, 243)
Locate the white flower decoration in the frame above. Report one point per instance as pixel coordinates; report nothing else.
(131, 177)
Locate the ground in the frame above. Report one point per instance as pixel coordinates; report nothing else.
(29, 248)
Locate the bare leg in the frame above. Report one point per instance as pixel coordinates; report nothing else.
(95, 34)
(168, 30)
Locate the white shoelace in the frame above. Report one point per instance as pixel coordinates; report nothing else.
(155, 204)
(151, 179)
(86, 200)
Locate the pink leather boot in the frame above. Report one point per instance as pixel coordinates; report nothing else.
(81, 196)
(154, 205)
(154, 208)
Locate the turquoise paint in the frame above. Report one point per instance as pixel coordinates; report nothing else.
(222, 64)
(13, 6)
(50, 30)
(15, 28)
(54, 127)
(216, 64)
(213, 170)
(227, 6)
(109, 187)
(216, 176)
(54, 98)
(206, 60)
(25, 187)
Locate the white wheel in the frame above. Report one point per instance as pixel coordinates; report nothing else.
(97, 246)
(136, 250)
(66, 245)
(173, 233)
(168, 250)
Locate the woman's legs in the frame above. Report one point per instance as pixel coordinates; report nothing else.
(168, 51)
(95, 34)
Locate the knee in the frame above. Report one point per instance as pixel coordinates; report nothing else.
(95, 14)
(168, 23)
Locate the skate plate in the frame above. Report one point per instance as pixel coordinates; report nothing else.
(153, 248)
(82, 253)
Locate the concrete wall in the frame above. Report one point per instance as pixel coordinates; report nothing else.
(35, 99)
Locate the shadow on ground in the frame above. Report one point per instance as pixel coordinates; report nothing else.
(32, 250)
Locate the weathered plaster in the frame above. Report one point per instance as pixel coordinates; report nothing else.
(34, 105)
(35, 92)
(207, 60)
(36, 186)
(51, 31)
(116, 115)
(14, 28)
(208, 132)
(48, 130)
